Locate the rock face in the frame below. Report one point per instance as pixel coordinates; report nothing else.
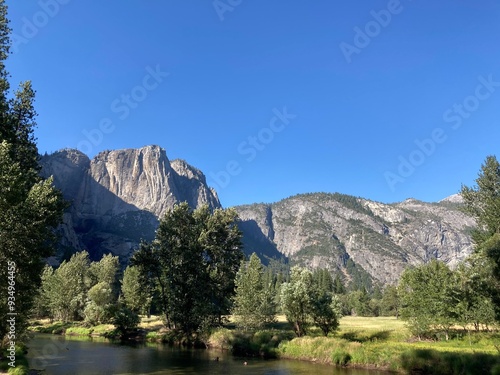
(117, 197)
(358, 236)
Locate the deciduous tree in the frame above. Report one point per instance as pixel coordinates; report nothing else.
(189, 260)
(427, 298)
(254, 304)
(296, 299)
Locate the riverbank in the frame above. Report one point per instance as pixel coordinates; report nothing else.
(370, 343)
(373, 343)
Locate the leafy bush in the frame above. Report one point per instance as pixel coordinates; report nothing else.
(260, 343)
(125, 320)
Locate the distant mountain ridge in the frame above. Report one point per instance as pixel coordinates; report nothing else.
(357, 236)
(118, 196)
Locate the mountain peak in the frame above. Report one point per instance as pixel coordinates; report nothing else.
(455, 198)
(119, 195)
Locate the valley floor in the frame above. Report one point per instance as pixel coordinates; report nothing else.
(381, 343)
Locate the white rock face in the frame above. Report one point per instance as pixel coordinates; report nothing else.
(118, 196)
(455, 198)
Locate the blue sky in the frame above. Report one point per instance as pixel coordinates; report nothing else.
(383, 99)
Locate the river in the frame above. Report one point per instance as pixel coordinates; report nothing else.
(58, 355)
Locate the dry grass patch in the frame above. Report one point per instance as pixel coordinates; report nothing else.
(153, 323)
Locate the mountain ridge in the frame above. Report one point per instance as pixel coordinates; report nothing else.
(118, 197)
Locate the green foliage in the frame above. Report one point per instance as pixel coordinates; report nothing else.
(340, 357)
(296, 299)
(263, 343)
(323, 281)
(483, 203)
(427, 298)
(29, 210)
(65, 289)
(134, 290)
(99, 305)
(192, 264)
(360, 279)
(357, 303)
(78, 331)
(306, 300)
(473, 279)
(125, 320)
(483, 200)
(490, 250)
(105, 270)
(80, 289)
(254, 303)
(382, 344)
(220, 242)
(338, 286)
(102, 296)
(325, 310)
(390, 303)
(427, 361)
(30, 207)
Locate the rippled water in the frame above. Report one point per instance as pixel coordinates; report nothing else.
(58, 355)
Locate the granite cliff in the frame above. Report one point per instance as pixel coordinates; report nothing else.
(364, 240)
(118, 196)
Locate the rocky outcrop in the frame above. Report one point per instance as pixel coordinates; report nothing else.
(329, 230)
(117, 197)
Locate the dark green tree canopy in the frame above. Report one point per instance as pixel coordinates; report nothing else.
(483, 200)
(192, 263)
(483, 203)
(30, 207)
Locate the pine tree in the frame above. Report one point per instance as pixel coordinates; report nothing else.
(483, 203)
(30, 207)
(483, 200)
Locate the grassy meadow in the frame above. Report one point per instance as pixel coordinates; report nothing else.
(371, 342)
(366, 342)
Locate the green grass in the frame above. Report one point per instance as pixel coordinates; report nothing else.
(70, 328)
(78, 331)
(385, 343)
(56, 328)
(21, 363)
(102, 329)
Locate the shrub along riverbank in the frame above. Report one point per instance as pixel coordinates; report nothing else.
(378, 343)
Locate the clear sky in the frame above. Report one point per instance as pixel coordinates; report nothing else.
(381, 99)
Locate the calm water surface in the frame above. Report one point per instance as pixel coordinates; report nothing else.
(58, 355)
